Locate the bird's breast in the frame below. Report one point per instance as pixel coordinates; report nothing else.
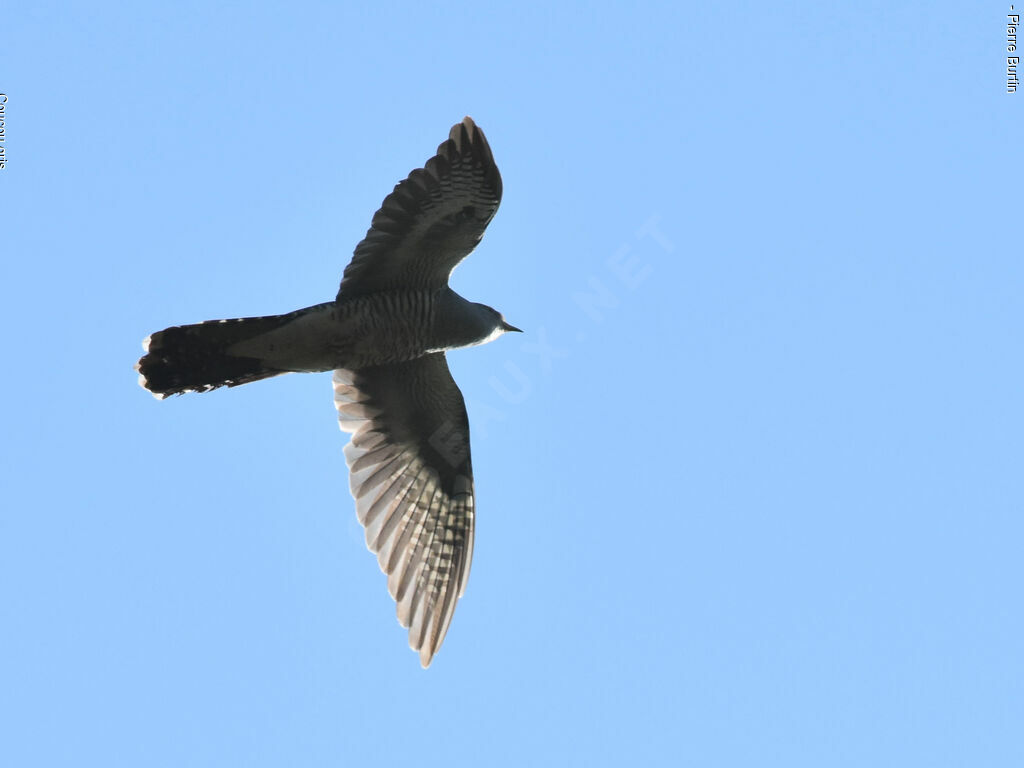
(388, 327)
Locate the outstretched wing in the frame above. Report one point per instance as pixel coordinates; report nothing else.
(413, 483)
(431, 221)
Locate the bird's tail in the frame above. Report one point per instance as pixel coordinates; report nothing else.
(195, 358)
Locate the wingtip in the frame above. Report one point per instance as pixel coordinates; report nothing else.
(465, 131)
(425, 657)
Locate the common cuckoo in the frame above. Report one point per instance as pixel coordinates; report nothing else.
(385, 337)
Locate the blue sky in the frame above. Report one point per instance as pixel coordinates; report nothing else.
(749, 486)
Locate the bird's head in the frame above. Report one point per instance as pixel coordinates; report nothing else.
(498, 319)
(505, 327)
(496, 323)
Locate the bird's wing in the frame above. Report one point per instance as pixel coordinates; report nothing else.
(431, 221)
(413, 484)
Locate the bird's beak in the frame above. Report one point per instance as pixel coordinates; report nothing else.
(506, 327)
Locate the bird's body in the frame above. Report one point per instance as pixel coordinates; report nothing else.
(377, 329)
(384, 336)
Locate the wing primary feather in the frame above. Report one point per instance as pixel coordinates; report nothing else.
(395, 516)
(405, 568)
(429, 580)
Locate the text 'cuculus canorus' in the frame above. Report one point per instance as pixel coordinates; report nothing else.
(384, 336)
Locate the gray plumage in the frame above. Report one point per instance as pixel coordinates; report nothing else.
(384, 336)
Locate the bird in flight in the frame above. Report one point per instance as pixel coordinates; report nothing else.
(385, 337)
